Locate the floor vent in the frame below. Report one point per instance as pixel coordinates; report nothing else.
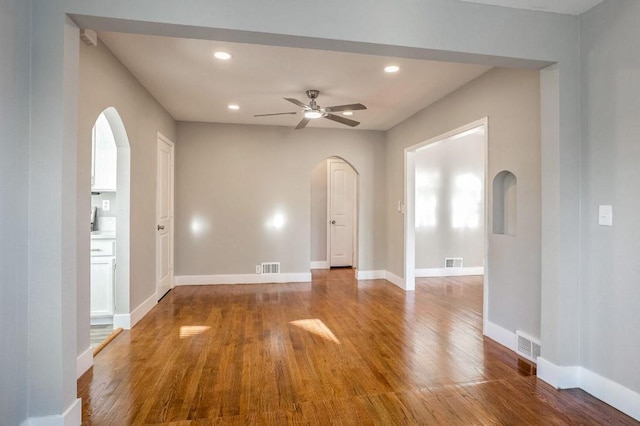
(271, 268)
(453, 262)
(528, 347)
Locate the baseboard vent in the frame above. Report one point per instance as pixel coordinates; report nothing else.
(453, 262)
(271, 268)
(528, 347)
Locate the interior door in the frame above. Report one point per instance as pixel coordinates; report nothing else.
(342, 195)
(164, 215)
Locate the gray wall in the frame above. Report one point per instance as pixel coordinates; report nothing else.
(105, 82)
(511, 100)
(14, 169)
(438, 166)
(319, 212)
(610, 277)
(232, 179)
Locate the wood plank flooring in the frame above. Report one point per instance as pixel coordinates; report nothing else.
(335, 351)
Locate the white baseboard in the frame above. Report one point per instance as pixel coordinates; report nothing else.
(449, 272)
(127, 321)
(370, 275)
(84, 362)
(501, 335)
(319, 264)
(614, 394)
(72, 416)
(381, 275)
(394, 279)
(299, 277)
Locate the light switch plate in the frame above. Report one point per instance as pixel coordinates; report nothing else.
(106, 205)
(605, 215)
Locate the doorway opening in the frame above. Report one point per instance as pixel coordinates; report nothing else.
(110, 236)
(446, 219)
(334, 215)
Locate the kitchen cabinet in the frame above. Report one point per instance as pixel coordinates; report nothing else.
(103, 268)
(104, 158)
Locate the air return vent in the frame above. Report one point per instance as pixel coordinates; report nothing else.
(453, 262)
(528, 347)
(271, 268)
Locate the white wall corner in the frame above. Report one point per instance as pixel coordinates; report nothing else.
(319, 264)
(557, 376)
(72, 416)
(370, 275)
(84, 362)
(394, 279)
(294, 277)
(501, 335)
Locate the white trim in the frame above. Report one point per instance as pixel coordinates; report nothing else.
(319, 264)
(449, 272)
(127, 321)
(558, 377)
(614, 394)
(72, 416)
(501, 335)
(606, 390)
(296, 277)
(396, 280)
(84, 362)
(370, 275)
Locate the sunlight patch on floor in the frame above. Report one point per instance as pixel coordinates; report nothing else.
(192, 330)
(317, 327)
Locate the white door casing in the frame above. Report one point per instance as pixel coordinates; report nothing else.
(342, 208)
(164, 217)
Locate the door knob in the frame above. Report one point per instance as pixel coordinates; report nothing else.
(333, 222)
(160, 227)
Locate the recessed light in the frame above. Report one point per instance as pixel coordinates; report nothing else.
(391, 68)
(223, 56)
(347, 113)
(233, 106)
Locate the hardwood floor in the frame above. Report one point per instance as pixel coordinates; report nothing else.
(336, 351)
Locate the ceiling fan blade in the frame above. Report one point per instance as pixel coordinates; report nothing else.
(275, 113)
(350, 107)
(297, 102)
(303, 123)
(342, 120)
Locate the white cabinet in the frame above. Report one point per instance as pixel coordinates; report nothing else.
(104, 158)
(103, 268)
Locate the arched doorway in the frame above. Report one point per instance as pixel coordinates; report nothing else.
(110, 225)
(334, 214)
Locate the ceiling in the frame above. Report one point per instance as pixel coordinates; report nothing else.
(568, 7)
(192, 85)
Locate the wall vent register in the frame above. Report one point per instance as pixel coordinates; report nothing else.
(271, 268)
(528, 347)
(453, 262)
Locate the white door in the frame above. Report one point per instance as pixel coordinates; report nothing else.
(342, 206)
(164, 215)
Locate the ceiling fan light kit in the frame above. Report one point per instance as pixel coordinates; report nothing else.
(313, 111)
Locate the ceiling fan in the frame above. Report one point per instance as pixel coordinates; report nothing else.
(313, 111)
